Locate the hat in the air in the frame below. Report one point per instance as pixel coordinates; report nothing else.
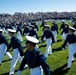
(31, 39)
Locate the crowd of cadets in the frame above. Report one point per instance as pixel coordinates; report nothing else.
(49, 35)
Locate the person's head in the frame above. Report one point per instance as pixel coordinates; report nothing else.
(31, 42)
(46, 27)
(66, 25)
(1, 31)
(17, 24)
(63, 22)
(71, 30)
(25, 24)
(32, 27)
(11, 32)
(53, 24)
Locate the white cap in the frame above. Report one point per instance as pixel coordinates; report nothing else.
(11, 30)
(72, 28)
(46, 26)
(1, 30)
(32, 39)
(63, 21)
(32, 26)
(25, 23)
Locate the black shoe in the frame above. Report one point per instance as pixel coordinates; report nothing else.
(68, 68)
(72, 61)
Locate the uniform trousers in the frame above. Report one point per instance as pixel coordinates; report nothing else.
(55, 35)
(3, 49)
(71, 51)
(48, 47)
(16, 57)
(64, 36)
(36, 71)
(19, 36)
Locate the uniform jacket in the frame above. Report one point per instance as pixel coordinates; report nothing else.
(35, 59)
(15, 43)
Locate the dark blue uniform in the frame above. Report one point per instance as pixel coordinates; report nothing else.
(7, 27)
(3, 40)
(32, 33)
(53, 28)
(65, 30)
(62, 26)
(10, 27)
(43, 23)
(15, 43)
(48, 35)
(36, 27)
(56, 27)
(34, 59)
(70, 39)
(26, 30)
(19, 29)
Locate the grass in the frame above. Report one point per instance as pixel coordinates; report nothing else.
(57, 61)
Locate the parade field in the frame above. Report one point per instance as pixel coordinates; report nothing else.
(57, 61)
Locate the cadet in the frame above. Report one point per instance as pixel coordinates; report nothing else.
(74, 27)
(34, 58)
(26, 29)
(71, 39)
(3, 47)
(65, 31)
(62, 26)
(49, 39)
(32, 32)
(17, 50)
(42, 25)
(54, 31)
(19, 32)
(36, 27)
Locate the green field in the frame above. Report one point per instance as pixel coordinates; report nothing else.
(57, 61)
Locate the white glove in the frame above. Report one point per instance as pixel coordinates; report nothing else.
(24, 45)
(18, 72)
(26, 66)
(40, 41)
(62, 48)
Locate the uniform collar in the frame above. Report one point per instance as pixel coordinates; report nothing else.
(34, 50)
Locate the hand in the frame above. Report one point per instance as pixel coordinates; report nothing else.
(40, 41)
(62, 48)
(18, 72)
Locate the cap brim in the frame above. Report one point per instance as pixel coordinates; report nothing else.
(71, 28)
(12, 31)
(46, 26)
(32, 39)
(1, 30)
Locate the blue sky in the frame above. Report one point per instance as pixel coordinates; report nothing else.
(11, 6)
